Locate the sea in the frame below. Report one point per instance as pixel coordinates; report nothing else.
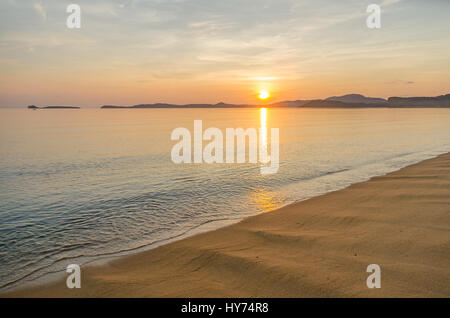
(80, 186)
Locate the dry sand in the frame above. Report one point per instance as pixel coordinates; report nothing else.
(320, 247)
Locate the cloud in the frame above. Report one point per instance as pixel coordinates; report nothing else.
(389, 2)
(400, 82)
(40, 10)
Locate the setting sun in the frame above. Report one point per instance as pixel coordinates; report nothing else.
(263, 94)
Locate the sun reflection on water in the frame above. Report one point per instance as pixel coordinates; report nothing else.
(263, 136)
(265, 200)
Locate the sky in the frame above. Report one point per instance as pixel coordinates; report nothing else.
(207, 51)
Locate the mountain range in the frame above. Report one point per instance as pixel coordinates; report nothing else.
(345, 101)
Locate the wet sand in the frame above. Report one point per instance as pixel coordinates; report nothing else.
(320, 247)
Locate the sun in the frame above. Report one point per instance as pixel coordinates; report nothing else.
(263, 94)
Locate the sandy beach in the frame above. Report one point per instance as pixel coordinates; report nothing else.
(320, 247)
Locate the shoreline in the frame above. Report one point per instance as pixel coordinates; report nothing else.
(159, 259)
(212, 225)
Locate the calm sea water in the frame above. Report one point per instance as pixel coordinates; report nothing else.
(80, 185)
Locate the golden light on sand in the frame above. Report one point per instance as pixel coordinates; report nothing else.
(263, 94)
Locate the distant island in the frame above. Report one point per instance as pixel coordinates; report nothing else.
(53, 107)
(345, 101)
(357, 98)
(163, 105)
